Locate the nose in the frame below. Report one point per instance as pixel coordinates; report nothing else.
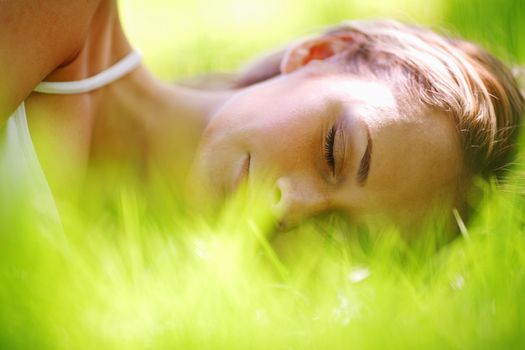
(295, 201)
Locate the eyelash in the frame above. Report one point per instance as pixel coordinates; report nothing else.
(329, 148)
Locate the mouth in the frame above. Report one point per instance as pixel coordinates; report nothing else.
(242, 171)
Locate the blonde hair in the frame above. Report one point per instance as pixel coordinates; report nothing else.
(450, 74)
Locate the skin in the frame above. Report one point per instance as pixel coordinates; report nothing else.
(282, 124)
(137, 123)
(275, 129)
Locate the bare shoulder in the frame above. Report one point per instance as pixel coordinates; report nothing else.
(35, 38)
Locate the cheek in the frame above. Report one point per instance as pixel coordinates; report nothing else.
(287, 145)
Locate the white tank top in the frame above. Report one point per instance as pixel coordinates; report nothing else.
(23, 186)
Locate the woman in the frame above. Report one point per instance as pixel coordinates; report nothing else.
(110, 110)
(382, 121)
(379, 120)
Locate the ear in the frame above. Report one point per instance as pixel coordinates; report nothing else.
(319, 48)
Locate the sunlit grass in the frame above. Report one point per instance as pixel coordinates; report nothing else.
(186, 282)
(128, 275)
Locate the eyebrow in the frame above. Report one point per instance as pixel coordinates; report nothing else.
(364, 165)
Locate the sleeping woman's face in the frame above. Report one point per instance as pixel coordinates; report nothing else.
(332, 142)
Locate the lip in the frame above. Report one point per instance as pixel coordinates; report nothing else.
(242, 170)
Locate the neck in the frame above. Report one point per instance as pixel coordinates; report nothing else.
(156, 123)
(136, 118)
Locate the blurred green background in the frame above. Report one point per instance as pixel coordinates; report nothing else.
(132, 279)
(183, 38)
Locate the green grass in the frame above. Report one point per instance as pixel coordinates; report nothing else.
(133, 280)
(142, 272)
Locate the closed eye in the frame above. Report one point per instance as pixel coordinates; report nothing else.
(329, 149)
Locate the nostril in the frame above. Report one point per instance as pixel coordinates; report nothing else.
(278, 200)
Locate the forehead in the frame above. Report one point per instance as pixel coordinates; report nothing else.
(416, 154)
(416, 151)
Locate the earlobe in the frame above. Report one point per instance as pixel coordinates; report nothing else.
(319, 48)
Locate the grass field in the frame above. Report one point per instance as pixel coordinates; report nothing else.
(136, 279)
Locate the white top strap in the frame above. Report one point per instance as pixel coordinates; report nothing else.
(116, 71)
